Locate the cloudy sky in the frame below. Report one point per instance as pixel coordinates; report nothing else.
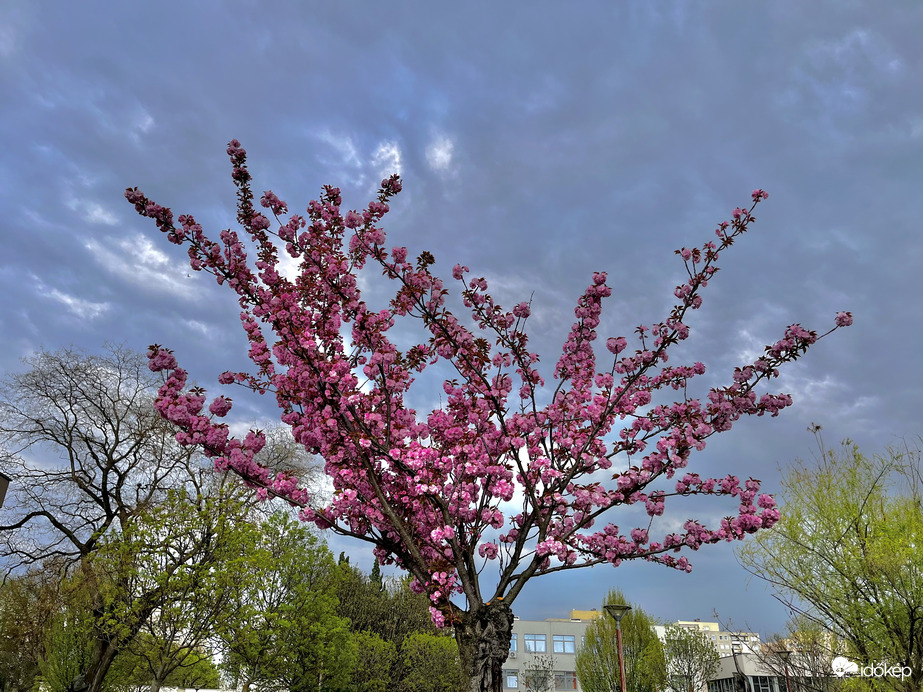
(538, 142)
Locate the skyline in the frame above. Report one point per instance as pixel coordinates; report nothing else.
(535, 147)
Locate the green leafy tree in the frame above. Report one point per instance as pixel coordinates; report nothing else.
(131, 671)
(385, 606)
(431, 664)
(69, 646)
(692, 659)
(645, 663)
(28, 603)
(179, 566)
(375, 659)
(850, 546)
(94, 468)
(88, 456)
(283, 629)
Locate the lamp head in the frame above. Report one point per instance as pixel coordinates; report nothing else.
(617, 611)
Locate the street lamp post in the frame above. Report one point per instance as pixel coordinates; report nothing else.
(4, 484)
(618, 611)
(785, 656)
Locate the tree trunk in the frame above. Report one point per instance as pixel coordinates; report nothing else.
(483, 638)
(92, 680)
(157, 682)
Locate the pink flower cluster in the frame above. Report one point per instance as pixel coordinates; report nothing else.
(429, 489)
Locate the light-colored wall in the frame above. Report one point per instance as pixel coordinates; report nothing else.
(562, 661)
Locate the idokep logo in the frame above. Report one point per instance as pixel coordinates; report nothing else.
(842, 666)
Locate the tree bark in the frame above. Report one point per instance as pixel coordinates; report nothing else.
(483, 637)
(157, 682)
(92, 680)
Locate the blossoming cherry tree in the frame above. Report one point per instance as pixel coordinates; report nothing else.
(514, 472)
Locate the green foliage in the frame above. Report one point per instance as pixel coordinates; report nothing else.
(170, 575)
(850, 545)
(430, 664)
(386, 607)
(645, 663)
(691, 657)
(113, 513)
(282, 628)
(375, 659)
(27, 604)
(132, 671)
(68, 647)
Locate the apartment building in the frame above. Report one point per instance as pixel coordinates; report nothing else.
(536, 642)
(726, 642)
(747, 666)
(557, 640)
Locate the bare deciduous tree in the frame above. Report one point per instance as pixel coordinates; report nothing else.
(88, 456)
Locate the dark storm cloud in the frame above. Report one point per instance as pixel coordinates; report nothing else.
(538, 143)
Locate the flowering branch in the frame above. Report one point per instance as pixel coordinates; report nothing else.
(433, 492)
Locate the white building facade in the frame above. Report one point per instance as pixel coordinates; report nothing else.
(746, 672)
(550, 644)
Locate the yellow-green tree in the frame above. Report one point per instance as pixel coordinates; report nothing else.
(850, 546)
(692, 659)
(169, 578)
(283, 630)
(375, 658)
(28, 603)
(597, 659)
(431, 664)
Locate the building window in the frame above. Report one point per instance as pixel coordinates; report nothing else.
(563, 643)
(762, 683)
(513, 643)
(511, 679)
(722, 685)
(565, 680)
(534, 643)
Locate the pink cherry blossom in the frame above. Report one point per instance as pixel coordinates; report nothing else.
(843, 319)
(605, 428)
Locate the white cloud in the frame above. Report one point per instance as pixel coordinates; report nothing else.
(92, 212)
(205, 331)
(344, 146)
(439, 154)
(387, 159)
(16, 18)
(144, 122)
(84, 309)
(137, 261)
